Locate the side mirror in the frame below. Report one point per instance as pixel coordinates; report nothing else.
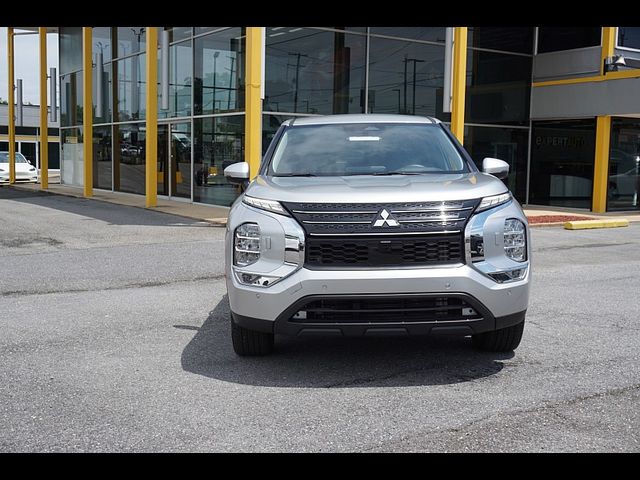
(495, 167)
(237, 173)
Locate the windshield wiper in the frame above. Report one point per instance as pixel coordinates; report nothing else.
(296, 175)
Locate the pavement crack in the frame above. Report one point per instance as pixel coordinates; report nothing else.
(20, 293)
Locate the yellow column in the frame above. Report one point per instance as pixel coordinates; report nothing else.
(253, 102)
(458, 88)
(87, 109)
(12, 109)
(44, 125)
(601, 167)
(151, 139)
(608, 45)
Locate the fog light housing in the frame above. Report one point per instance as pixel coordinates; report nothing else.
(515, 239)
(246, 245)
(256, 279)
(509, 275)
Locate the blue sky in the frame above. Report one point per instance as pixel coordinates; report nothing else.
(26, 63)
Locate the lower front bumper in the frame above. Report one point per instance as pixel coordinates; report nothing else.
(484, 321)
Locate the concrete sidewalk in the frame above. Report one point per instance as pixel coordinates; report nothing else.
(208, 213)
(218, 215)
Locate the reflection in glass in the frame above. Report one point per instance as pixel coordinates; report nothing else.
(219, 72)
(174, 160)
(105, 99)
(405, 77)
(179, 33)
(131, 90)
(71, 99)
(270, 125)
(431, 34)
(624, 165)
(180, 65)
(498, 88)
(509, 39)
(629, 37)
(102, 157)
(70, 41)
(218, 143)
(555, 39)
(130, 40)
(562, 159)
(72, 167)
(129, 158)
(508, 144)
(101, 37)
(314, 71)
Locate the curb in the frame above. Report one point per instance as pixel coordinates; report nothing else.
(584, 224)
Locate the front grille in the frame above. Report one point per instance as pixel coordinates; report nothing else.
(336, 219)
(384, 251)
(401, 309)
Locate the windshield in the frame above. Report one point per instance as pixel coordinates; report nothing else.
(365, 149)
(4, 158)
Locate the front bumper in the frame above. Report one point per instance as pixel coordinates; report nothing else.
(271, 310)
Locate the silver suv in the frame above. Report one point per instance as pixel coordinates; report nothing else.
(375, 225)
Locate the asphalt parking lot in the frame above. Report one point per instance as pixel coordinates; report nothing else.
(114, 336)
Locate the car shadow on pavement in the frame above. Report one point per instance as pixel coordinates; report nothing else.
(337, 362)
(111, 213)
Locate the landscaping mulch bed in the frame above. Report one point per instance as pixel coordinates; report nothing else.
(555, 218)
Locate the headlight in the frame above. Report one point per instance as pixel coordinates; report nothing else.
(269, 205)
(515, 240)
(493, 201)
(246, 245)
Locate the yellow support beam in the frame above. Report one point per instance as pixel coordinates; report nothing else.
(87, 109)
(12, 109)
(601, 167)
(151, 138)
(458, 88)
(253, 102)
(608, 45)
(44, 124)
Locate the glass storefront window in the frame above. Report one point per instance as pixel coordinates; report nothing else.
(314, 71)
(562, 161)
(219, 72)
(498, 88)
(129, 158)
(131, 88)
(179, 33)
(130, 40)
(70, 45)
(508, 144)
(431, 34)
(72, 167)
(102, 157)
(180, 71)
(624, 165)
(629, 37)
(103, 116)
(71, 99)
(101, 37)
(405, 77)
(217, 143)
(555, 39)
(508, 39)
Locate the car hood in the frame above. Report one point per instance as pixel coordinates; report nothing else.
(376, 189)
(20, 167)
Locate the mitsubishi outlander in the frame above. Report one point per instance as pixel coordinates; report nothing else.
(375, 225)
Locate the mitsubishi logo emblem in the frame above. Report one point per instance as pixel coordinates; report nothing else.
(385, 219)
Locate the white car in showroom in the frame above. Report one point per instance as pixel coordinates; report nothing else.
(25, 172)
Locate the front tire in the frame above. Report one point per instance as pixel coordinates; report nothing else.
(250, 342)
(503, 340)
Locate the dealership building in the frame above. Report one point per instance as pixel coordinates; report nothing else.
(560, 105)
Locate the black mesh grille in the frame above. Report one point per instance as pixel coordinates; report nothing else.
(380, 251)
(385, 310)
